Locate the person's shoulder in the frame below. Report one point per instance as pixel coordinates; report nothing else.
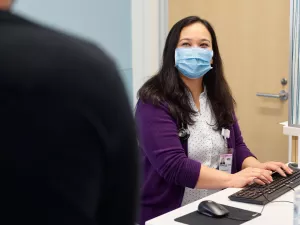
(56, 44)
(149, 106)
(69, 64)
(71, 46)
(146, 109)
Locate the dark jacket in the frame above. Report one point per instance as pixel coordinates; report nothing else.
(68, 151)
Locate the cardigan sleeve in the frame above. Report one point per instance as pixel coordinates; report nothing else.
(158, 138)
(241, 150)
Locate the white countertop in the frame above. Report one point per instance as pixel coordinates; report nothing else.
(277, 213)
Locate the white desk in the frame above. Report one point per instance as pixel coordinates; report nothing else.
(277, 213)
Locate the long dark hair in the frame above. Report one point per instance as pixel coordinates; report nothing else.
(166, 87)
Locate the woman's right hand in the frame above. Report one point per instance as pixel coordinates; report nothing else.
(248, 176)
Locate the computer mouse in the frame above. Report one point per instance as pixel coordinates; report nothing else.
(212, 209)
(293, 166)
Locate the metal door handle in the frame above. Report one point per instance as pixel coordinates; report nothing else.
(283, 95)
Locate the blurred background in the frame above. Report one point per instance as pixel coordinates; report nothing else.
(259, 43)
(106, 23)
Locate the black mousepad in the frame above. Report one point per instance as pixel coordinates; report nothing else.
(195, 218)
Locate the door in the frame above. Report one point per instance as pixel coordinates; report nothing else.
(254, 42)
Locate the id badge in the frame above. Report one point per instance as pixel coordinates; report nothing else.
(225, 162)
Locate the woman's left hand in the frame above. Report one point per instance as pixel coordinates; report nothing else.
(279, 167)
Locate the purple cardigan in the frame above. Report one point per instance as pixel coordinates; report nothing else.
(167, 170)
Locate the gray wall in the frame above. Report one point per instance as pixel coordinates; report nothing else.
(105, 22)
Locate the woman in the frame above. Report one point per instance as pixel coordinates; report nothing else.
(186, 122)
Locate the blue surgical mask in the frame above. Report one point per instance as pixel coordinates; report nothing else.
(193, 62)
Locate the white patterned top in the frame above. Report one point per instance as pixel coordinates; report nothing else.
(205, 144)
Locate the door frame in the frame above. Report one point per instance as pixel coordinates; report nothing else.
(293, 77)
(149, 31)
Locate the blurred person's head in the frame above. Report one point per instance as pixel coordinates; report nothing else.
(6, 4)
(170, 84)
